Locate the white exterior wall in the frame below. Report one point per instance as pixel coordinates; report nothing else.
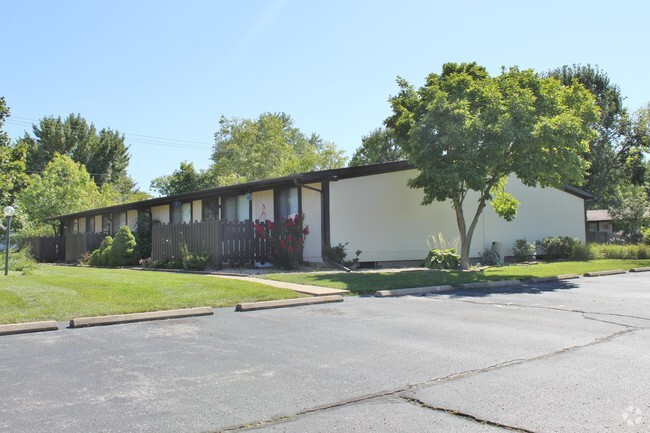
(311, 207)
(383, 217)
(160, 213)
(197, 210)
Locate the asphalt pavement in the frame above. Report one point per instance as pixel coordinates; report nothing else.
(571, 356)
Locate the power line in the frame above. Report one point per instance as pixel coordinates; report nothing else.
(135, 138)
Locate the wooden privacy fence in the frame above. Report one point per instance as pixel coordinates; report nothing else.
(77, 244)
(243, 244)
(166, 240)
(46, 249)
(234, 242)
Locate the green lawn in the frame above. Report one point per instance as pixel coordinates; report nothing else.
(365, 282)
(62, 292)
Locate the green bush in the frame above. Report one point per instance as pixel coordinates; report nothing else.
(582, 252)
(192, 261)
(338, 254)
(442, 259)
(557, 247)
(624, 252)
(94, 258)
(121, 250)
(523, 250)
(101, 256)
(21, 260)
(646, 235)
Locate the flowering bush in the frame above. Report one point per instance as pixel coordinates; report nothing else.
(287, 239)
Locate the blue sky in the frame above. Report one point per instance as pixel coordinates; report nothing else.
(171, 69)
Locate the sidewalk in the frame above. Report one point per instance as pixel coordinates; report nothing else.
(300, 288)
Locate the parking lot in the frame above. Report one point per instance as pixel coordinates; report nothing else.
(561, 357)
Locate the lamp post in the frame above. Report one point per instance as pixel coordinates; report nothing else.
(9, 211)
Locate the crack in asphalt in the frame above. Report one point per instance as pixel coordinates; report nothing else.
(466, 416)
(565, 310)
(425, 384)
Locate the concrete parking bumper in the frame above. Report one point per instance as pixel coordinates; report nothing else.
(603, 273)
(23, 328)
(83, 322)
(415, 291)
(507, 284)
(265, 305)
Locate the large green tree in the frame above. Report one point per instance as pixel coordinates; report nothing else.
(613, 154)
(185, 179)
(104, 153)
(64, 186)
(269, 146)
(12, 162)
(466, 132)
(377, 147)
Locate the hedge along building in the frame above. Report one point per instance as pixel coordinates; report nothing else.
(369, 207)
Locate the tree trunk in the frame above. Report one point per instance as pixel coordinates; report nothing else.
(465, 233)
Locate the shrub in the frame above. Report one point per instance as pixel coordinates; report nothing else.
(101, 256)
(338, 254)
(558, 246)
(21, 260)
(287, 238)
(646, 235)
(194, 262)
(442, 259)
(621, 251)
(523, 250)
(94, 258)
(582, 252)
(143, 237)
(121, 251)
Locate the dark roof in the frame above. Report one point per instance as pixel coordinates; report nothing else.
(302, 178)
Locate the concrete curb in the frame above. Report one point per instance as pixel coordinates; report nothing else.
(84, 322)
(551, 279)
(23, 328)
(640, 270)
(415, 291)
(492, 285)
(603, 273)
(265, 305)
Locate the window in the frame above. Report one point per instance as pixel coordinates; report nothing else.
(181, 213)
(236, 208)
(121, 220)
(74, 226)
(210, 209)
(90, 224)
(286, 202)
(106, 223)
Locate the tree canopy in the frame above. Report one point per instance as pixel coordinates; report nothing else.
(615, 153)
(104, 153)
(377, 147)
(269, 146)
(185, 179)
(467, 131)
(64, 186)
(12, 162)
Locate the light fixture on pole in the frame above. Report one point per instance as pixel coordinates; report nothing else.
(9, 211)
